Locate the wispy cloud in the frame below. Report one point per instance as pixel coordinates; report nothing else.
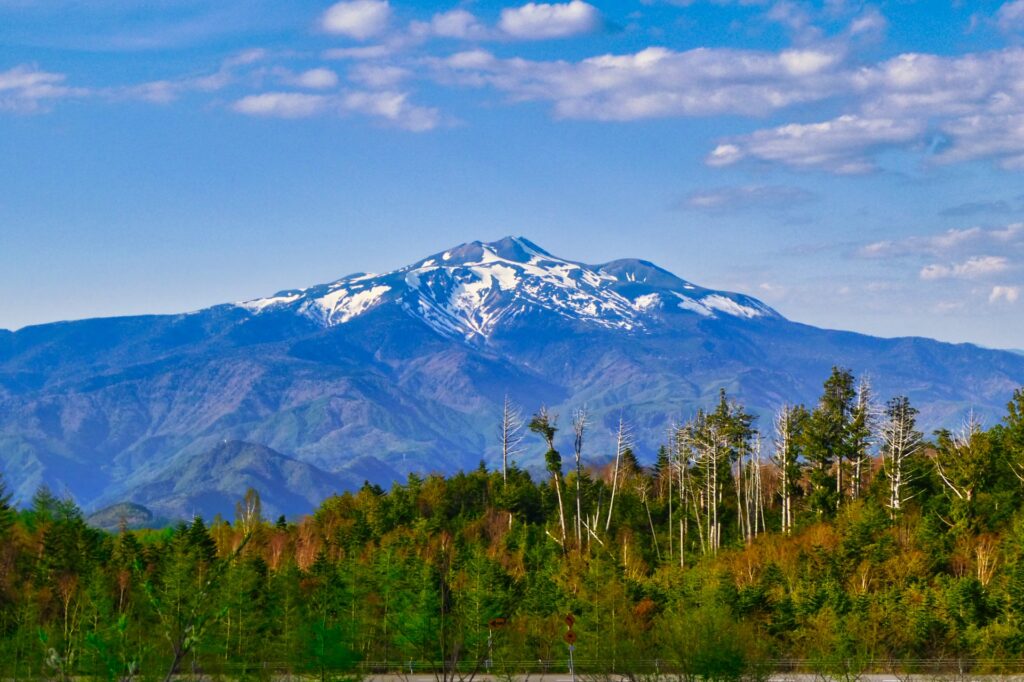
(392, 107)
(747, 197)
(654, 82)
(380, 76)
(986, 207)
(361, 52)
(974, 102)
(282, 104)
(28, 89)
(952, 108)
(973, 268)
(842, 145)
(1004, 294)
(168, 90)
(950, 242)
(1010, 16)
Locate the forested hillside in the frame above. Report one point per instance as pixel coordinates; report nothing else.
(835, 537)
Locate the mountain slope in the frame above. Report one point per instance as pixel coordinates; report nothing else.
(373, 376)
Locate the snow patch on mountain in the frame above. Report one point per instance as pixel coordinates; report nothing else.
(687, 303)
(344, 303)
(729, 306)
(470, 290)
(647, 301)
(260, 304)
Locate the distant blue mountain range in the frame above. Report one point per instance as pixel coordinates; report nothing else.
(371, 377)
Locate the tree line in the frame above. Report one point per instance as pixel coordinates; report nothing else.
(838, 539)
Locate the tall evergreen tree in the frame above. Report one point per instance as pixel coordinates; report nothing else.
(964, 462)
(1013, 434)
(828, 441)
(44, 504)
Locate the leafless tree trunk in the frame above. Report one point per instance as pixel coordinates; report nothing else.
(785, 457)
(901, 443)
(671, 474)
(709, 447)
(866, 423)
(682, 464)
(561, 508)
(959, 457)
(622, 443)
(511, 435)
(579, 425)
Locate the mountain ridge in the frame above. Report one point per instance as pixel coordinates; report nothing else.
(371, 386)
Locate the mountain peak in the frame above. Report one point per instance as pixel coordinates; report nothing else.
(514, 249)
(473, 289)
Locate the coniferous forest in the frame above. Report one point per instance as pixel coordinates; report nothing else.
(832, 538)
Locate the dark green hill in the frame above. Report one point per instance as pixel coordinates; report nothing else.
(123, 514)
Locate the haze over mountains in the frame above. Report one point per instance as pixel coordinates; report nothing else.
(370, 377)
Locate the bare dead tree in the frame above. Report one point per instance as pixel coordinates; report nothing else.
(579, 426)
(670, 474)
(865, 427)
(786, 452)
(510, 434)
(680, 461)
(757, 487)
(901, 444)
(961, 459)
(623, 442)
(710, 448)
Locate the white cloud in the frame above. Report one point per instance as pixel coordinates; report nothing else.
(654, 82)
(1010, 16)
(870, 22)
(457, 23)
(950, 242)
(165, 91)
(840, 145)
(381, 76)
(282, 104)
(534, 21)
(972, 268)
(953, 108)
(974, 101)
(391, 106)
(358, 53)
(359, 19)
(394, 107)
(246, 57)
(27, 89)
(806, 62)
(1007, 294)
(317, 79)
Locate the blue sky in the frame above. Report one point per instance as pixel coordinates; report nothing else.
(856, 165)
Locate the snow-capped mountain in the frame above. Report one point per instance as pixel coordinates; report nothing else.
(469, 291)
(373, 376)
